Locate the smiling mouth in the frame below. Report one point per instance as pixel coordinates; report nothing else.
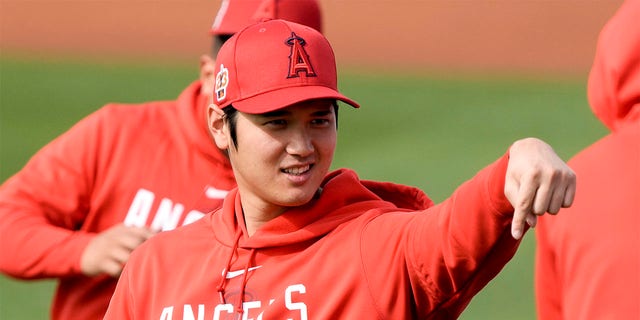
(296, 171)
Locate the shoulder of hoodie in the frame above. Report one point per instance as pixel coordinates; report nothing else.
(179, 239)
(615, 152)
(123, 114)
(141, 120)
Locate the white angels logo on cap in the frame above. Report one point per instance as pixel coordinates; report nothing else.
(222, 80)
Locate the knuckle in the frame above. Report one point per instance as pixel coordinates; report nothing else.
(539, 211)
(524, 203)
(552, 210)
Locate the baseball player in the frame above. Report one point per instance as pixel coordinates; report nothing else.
(295, 241)
(91, 196)
(588, 267)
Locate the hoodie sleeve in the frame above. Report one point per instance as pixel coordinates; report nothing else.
(472, 239)
(43, 206)
(450, 251)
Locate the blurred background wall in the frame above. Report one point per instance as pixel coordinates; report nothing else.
(542, 37)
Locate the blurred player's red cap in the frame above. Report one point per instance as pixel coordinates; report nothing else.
(274, 64)
(237, 14)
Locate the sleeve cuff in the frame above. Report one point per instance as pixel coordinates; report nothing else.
(496, 174)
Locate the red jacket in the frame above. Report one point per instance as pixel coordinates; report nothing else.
(147, 165)
(588, 258)
(361, 250)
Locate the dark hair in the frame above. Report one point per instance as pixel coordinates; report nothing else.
(218, 41)
(231, 117)
(335, 111)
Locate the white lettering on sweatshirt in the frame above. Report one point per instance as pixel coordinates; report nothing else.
(252, 310)
(167, 215)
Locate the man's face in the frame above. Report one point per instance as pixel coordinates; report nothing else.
(208, 64)
(282, 156)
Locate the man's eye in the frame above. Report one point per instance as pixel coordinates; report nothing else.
(320, 122)
(277, 122)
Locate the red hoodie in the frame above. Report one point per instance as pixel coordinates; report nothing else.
(588, 258)
(359, 250)
(146, 165)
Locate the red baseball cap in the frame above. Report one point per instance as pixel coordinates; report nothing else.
(234, 15)
(274, 64)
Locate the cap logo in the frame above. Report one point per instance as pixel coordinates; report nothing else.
(298, 58)
(222, 80)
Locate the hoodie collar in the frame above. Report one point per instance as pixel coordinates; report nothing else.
(342, 197)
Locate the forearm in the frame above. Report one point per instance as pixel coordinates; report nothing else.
(43, 206)
(34, 248)
(40, 215)
(449, 252)
(470, 241)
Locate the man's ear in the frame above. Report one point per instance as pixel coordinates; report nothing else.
(207, 77)
(217, 126)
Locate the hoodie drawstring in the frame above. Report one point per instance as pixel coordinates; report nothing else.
(244, 281)
(221, 286)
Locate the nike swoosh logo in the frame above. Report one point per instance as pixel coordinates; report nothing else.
(233, 274)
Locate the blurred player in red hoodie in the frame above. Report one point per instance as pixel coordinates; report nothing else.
(295, 241)
(588, 260)
(87, 199)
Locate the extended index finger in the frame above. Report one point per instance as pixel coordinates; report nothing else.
(522, 208)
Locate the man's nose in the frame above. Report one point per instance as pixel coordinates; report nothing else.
(301, 143)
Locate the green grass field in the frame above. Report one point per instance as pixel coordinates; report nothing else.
(414, 129)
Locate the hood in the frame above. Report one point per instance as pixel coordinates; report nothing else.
(614, 80)
(343, 197)
(192, 120)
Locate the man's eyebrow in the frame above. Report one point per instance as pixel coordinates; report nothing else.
(276, 113)
(322, 112)
(280, 113)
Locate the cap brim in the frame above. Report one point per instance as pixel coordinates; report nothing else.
(284, 97)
